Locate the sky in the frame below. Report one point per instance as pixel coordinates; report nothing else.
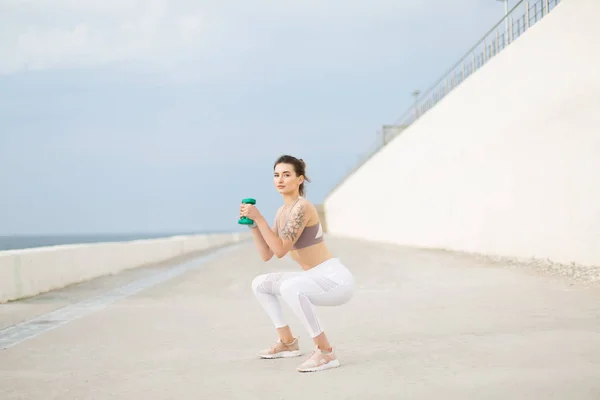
(121, 116)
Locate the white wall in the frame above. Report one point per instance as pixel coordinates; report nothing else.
(28, 272)
(507, 164)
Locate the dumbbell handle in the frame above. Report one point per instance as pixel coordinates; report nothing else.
(246, 220)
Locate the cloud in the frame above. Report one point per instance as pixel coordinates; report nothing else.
(35, 35)
(151, 34)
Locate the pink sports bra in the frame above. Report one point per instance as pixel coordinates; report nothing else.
(311, 235)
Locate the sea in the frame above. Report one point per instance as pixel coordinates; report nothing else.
(15, 242)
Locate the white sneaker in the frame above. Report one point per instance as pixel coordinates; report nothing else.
(319, 361)
(280, 349)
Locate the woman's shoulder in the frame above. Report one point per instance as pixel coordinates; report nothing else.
(302, 205)
(309, 209)
(305, 203)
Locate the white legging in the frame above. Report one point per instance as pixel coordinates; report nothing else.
(328, 284)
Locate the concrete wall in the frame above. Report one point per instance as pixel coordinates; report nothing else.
(322, 217)
(507, 164)
(28, 272)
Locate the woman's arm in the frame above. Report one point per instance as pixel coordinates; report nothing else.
(263, 248)
(289, 234)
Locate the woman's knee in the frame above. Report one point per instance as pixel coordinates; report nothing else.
(269, 283)
(258, 281)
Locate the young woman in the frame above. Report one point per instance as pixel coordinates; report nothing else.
(323, 281)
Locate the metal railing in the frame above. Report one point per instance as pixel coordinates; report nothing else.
(520, 18)
(516, 22)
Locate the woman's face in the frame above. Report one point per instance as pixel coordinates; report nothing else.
(285, 179)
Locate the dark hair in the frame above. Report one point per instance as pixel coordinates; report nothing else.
(299, 168)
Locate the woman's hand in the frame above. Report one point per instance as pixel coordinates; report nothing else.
(250, 211)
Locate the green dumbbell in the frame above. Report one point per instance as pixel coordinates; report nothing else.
(246, 220)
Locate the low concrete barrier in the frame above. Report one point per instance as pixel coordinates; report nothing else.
(28, 272)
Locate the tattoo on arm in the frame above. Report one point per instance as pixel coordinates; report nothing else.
(294, 225)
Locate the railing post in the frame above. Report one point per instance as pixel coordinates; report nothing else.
(497, 41)
(473, 69)
(543, 5)
(547, 7)
(544, 8)
(484, 50)
(512, 37)
(527, 14)
(463, 71)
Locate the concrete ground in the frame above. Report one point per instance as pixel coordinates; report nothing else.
(422, 325)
